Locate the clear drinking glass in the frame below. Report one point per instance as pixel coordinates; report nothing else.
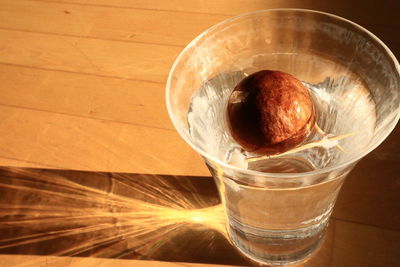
(278, 208)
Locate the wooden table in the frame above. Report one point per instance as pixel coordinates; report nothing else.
(82, 88)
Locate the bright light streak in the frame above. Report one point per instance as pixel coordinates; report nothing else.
(54, 207)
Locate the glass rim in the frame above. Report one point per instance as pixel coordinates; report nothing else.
(271, 174)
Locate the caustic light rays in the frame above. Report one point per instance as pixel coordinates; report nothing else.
(128, 215)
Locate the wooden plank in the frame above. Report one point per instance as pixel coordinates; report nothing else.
(83, 55)
(358, 245)
(359, 10)
(149, 26)
(136, 25)
(162, 27)
(98, 57)
(85, 144)
(120, 100)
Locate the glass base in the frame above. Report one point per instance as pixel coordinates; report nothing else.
(276, 248)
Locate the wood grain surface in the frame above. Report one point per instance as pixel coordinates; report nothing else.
(82, 88)
(79, 64)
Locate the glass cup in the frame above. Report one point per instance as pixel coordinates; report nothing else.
(278, 207)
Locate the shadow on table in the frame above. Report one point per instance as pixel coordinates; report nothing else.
(113, 215)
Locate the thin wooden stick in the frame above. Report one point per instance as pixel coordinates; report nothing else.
(319, 130)
(301, 148)
(321, 133)
(341, 148)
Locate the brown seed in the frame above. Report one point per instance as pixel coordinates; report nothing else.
(270, 112)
